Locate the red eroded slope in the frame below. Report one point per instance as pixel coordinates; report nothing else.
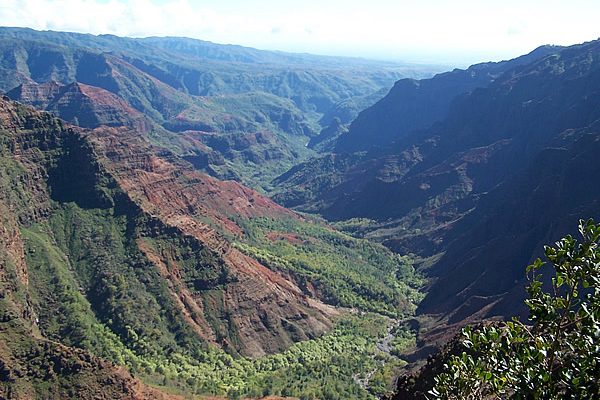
(269, 311)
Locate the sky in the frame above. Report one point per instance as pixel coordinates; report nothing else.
(454, 32)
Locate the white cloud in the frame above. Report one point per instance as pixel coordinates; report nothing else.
(383, 28)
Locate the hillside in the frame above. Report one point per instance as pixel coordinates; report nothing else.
(187, 88)
(379, 140)
(417, 104)
(119, 247)
(476, 192)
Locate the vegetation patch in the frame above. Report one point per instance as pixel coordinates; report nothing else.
(345, 271)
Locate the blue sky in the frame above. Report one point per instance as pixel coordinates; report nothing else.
(455, 32)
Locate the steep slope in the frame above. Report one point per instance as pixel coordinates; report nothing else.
(80, 104)
(113, 92)
(173, 195)
(129, 253)
(490, 248)
(226, 136)
(417, 104)
(259, 108)
(32, 366)
(386, 131)
(480, 189)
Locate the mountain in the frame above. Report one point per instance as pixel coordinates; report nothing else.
(416, 104)
(124, 251)
(512, 225)
(80, 104)
(191, 86)
(117, 252)
(31, 365)
(507, 167)
(230, 56)
(410, 106)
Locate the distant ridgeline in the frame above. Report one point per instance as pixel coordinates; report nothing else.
(234, 112)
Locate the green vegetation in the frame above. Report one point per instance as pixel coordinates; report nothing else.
(82, 265)
(110, 301)
(258, 164)
(354, 226)
(558, 355)
(321, 368)
(324, 368)
(404, 338)
(99, 279)
(304, 184)
(347, 272)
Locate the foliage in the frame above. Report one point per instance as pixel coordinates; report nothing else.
(323, 368)
(256, 159)
(346, 271)
(558, 356)
(404, 338)
(92, 284)
(83, 266)
(84, 263)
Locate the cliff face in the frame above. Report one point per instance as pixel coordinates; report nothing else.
(202, 209)
(173, 213)
(512, 225)
(405, 134)
(417, 104)
(31, 366)
(481, 189)
(80, 104)
(120, 250)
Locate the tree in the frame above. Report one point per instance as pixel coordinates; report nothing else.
(557, 354)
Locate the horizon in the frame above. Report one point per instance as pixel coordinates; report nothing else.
(456, 34)
(358, 56)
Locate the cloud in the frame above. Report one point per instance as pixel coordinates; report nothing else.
(126, 18)
(378, 28)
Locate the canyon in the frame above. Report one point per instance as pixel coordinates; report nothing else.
(181, 218)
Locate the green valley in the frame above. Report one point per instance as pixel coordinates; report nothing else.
(181, 219)
(111, 272)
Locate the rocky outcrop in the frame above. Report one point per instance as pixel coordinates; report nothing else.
(80, 104)
(36, 95)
